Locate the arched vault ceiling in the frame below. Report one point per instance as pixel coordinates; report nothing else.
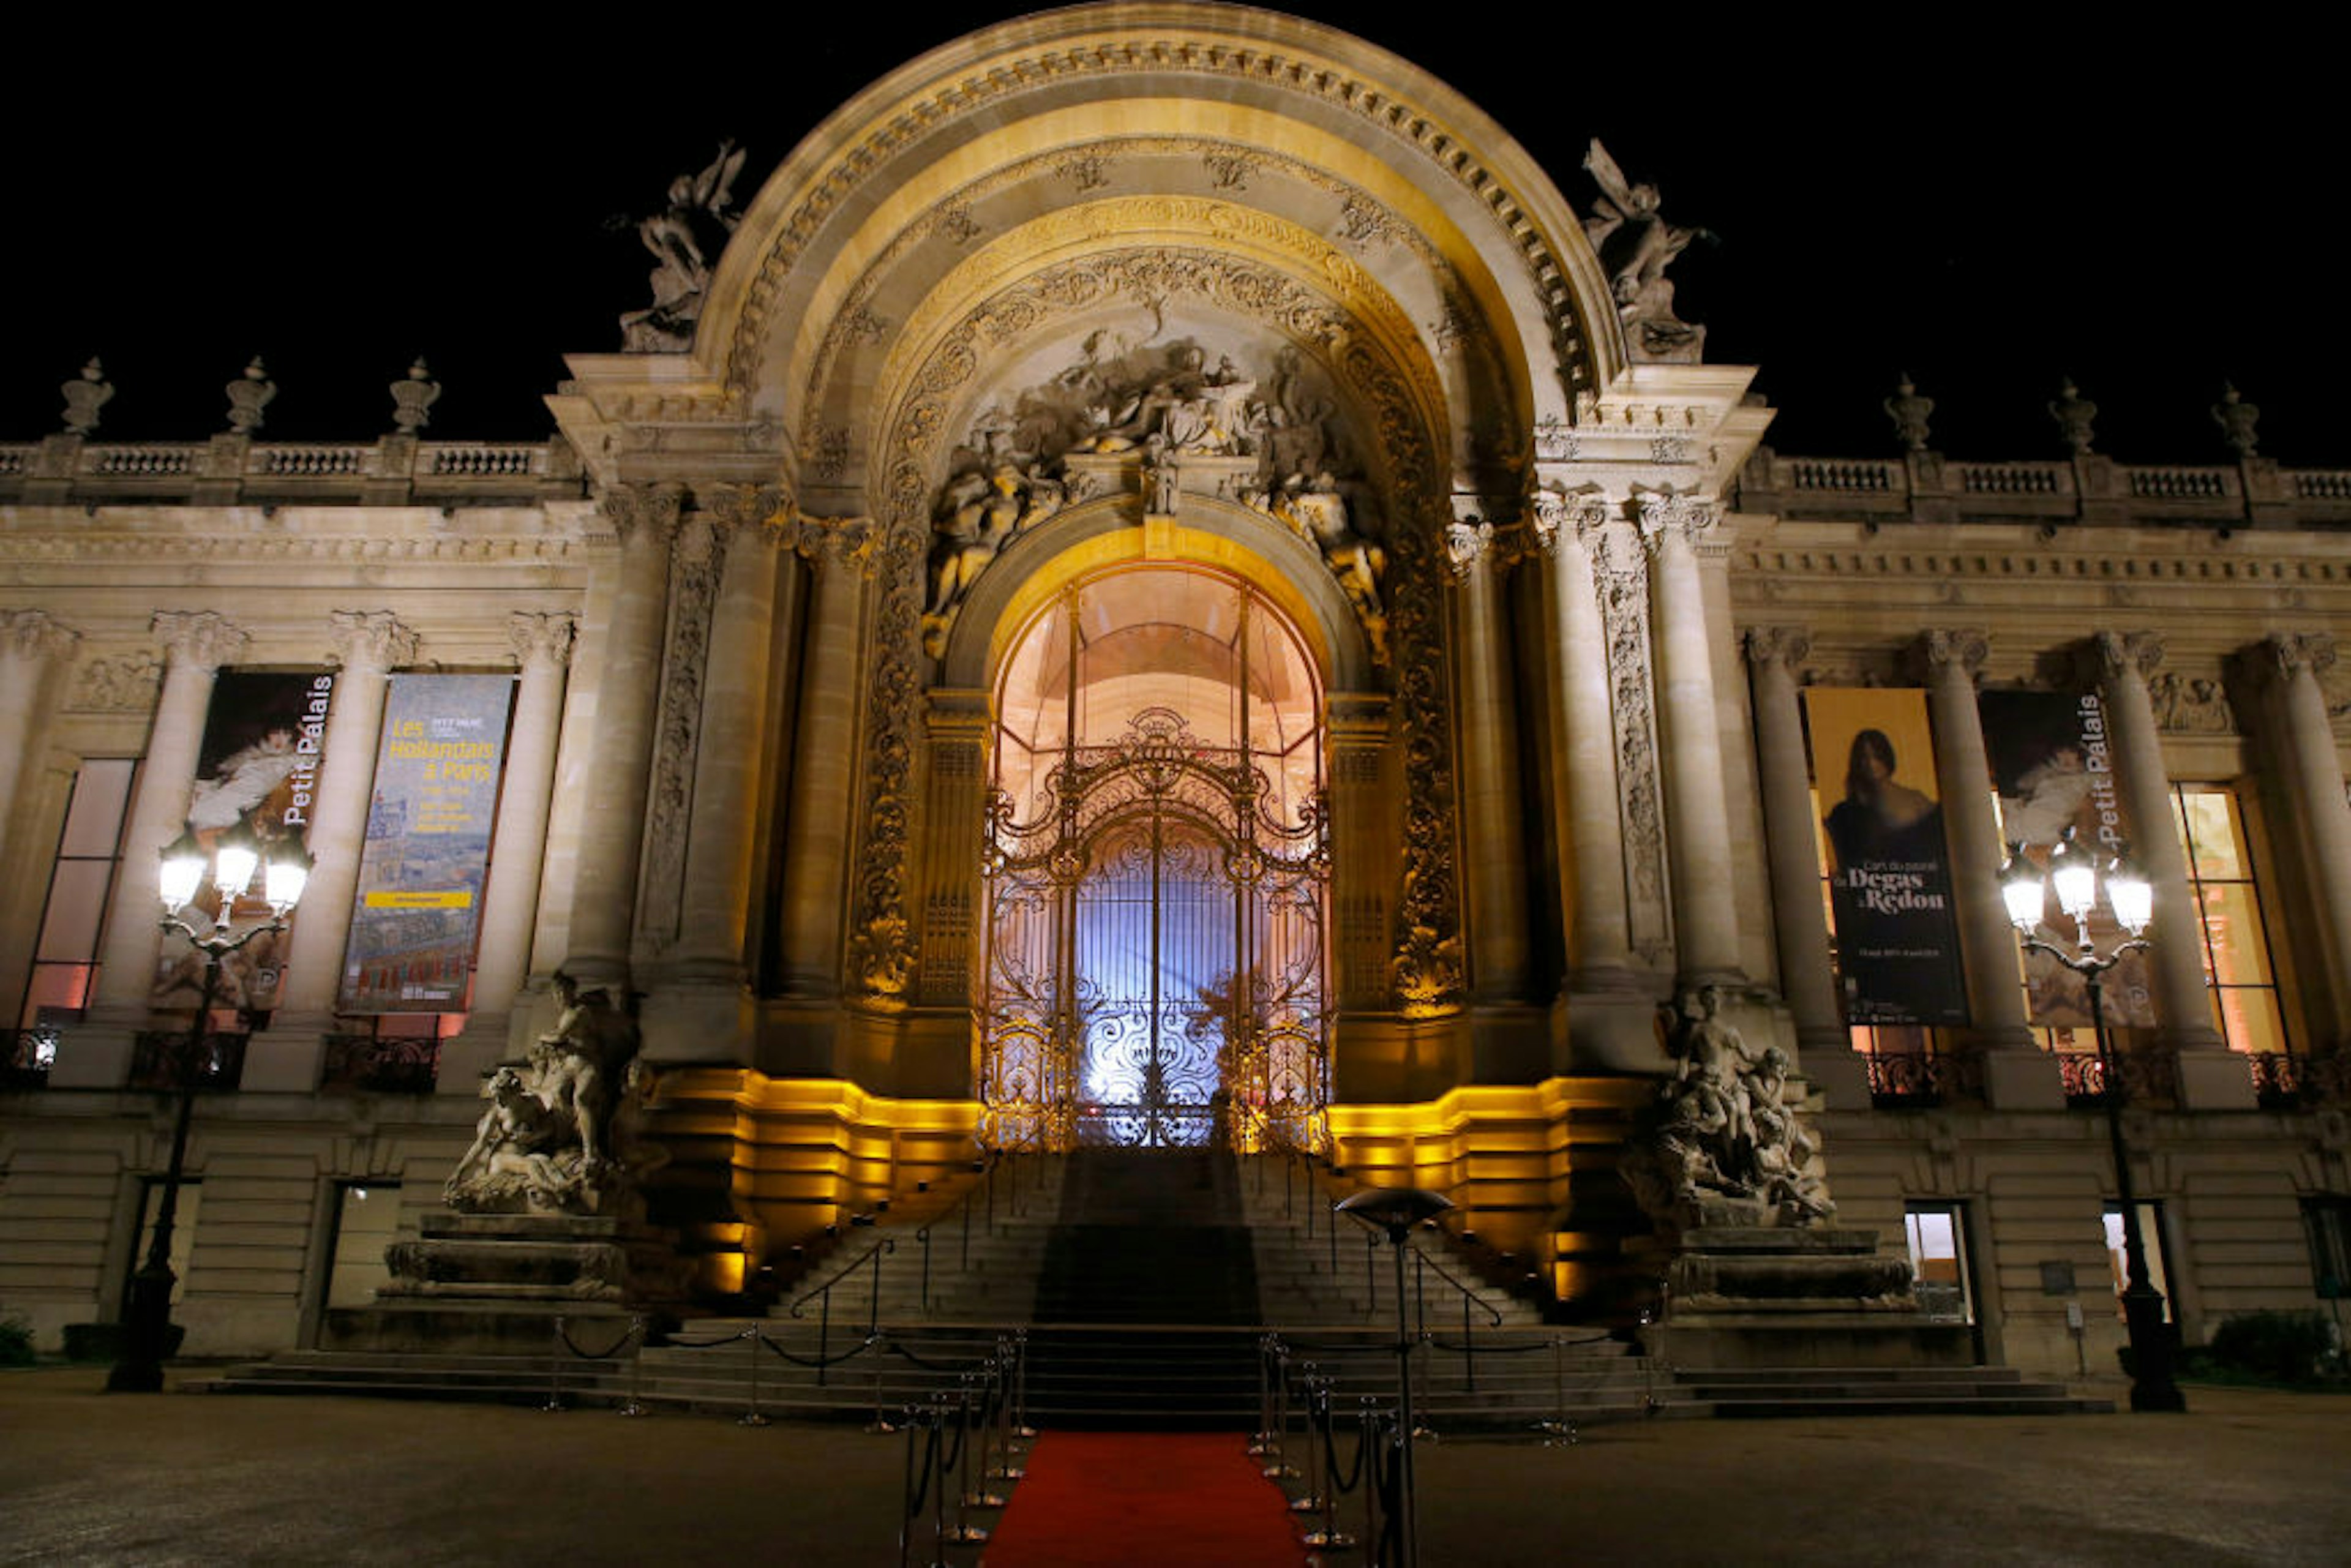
(1328, 113)
(1377, 265)
(1014, 312)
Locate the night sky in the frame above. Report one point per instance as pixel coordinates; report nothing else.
(1988, 202)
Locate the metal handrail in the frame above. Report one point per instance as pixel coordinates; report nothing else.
(823, 1295)
(985, 1188)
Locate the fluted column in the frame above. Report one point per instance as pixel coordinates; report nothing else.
(1492, 828)
(368, 646)
(1792, 838)
(1583, 789)
(716, 900)
(542, 647)
(604, 887)
(2176, 950)
(196, 643)
(1698, 822)
(2315, 773)
(1948, 661)
(818, 829)
(31, 644)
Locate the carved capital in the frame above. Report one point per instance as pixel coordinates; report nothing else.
(1557, 515)
(647, 513)
(199, 638)
(850, 542)
(2295, 652)
(2117, 655)
(1946, 653)
(764, 514)
(541, 639)
(33, 634)
(1662, 516)
(1466, 544)
(1785, 646)
(371, 640)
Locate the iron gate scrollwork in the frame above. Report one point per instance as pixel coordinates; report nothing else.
(1156, 952)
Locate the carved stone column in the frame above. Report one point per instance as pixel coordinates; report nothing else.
(1792, 838)
(1492, 828)
(31, 645)
(2175, 954)
(542, 647)
(734, 704)
(1583, 789)
(604, 887)
(957, 726)
(196, 643)
(824, 759)
(706, 1012)
(2016, 1074)
(2307, 752)
(1698, 822)
(367, 646)
(1363, 858)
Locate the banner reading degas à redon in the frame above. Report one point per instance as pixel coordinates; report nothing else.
(428, 844)
(264, 732)
(2053, 765)
(1889, 879)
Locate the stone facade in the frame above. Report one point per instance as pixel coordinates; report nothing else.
(1161, 285)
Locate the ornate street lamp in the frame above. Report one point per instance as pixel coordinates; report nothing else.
(1394, 1211)
(2074, 874)
(235, 859)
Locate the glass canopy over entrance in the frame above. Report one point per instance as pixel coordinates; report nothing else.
(1157, 867)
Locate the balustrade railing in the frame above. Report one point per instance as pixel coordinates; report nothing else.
(167, 1059)
(27, 1055)
(380, 1064)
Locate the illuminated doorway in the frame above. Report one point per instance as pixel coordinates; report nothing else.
(1156, 872)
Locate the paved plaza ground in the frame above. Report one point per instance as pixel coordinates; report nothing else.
(2247, 1477)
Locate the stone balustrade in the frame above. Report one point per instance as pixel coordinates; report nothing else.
(67, 469)
(1927, 487)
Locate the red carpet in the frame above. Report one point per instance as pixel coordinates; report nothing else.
(1143, 1500)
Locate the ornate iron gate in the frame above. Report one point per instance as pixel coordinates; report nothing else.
(1154, 963)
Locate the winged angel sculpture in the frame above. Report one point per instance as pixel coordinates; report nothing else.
(1635, 244)
(684, 238)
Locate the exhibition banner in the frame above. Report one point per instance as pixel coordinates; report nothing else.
(2053, 765)
(264, 732)
(1897, 941)
(428, 844)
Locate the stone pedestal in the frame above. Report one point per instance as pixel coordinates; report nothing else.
(1742, 1293)
(495, 1284)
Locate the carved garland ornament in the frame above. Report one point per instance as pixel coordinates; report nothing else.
(699, 555)
(1427, 964)
(981, 89)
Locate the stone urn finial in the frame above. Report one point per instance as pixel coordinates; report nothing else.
(412, 398)
(2239, 422)
(1908, 411)
(249, 395)
(2073, 414)
(85, 395)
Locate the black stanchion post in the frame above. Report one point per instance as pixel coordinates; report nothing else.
(751, 1417)
(1317, 1390)
(636, 1405)
(555, 1368)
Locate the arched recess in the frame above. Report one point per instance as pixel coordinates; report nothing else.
(1006, 405)
(1154, 946)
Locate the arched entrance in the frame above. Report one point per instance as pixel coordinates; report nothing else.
(1157, 867)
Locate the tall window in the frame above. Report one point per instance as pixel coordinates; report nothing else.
(2235, 946)
(64, 961)
(1938, 1260)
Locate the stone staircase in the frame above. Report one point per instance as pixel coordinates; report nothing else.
(1145, 1285)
